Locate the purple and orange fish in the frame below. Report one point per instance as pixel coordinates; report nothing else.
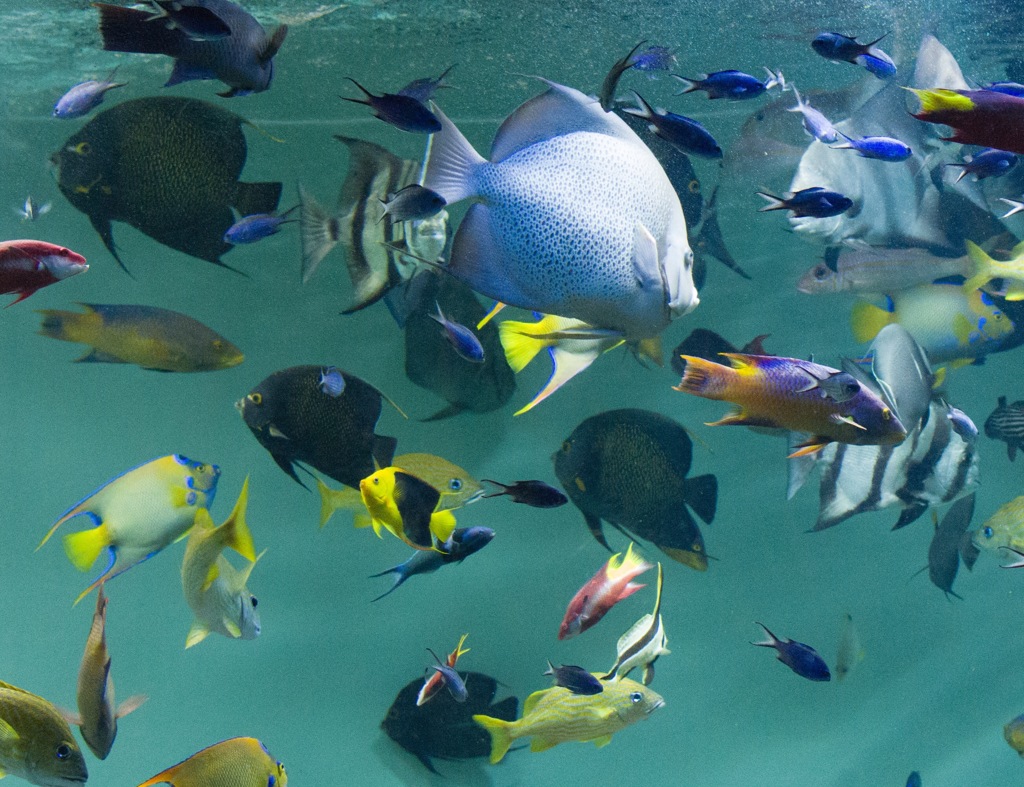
(828, 404)
(978, 117)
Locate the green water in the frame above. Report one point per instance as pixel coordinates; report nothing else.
(939, 678)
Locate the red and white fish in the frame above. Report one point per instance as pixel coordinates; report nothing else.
(604, 590)
(435, 681)
(30, 265)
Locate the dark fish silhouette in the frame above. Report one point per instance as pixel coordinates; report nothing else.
(531, 493)
(402, 111)
(294, 419)
(611, 463)
(444, 728)
(802, 659)
(167, 166)
(709, 345)
(1006, 423)
(947, 543)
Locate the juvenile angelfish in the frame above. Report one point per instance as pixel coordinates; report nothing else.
(405, 506)
(802, 659)
(138, 513)
(236, 761)
(611, 584)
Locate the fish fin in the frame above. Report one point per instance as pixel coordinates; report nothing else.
(564, 366)
(72, 718)
(497, 307)
(251, 198)
(866, 320)
(521, 342)
(365, 520)
(232, 628)
(499, 731)
(273, 44)
(774, 203)
(238, 535)
(188, 72)
(982, 263)
(8, 736)
(541, 744)
(129, 30)
(196, 634)
(740, 418)
(319, 233)
(772, 640)
(910, 514)
(532, 700)
(130, 705)
(810, 446)
(838, 420)
(799, 467)
(333, 499)
(85, 546)
(105, 230)
(383, 448)
(646, 264)
(477, 260)
(211, 577)
(442, 525)
(416, 501)
(445, 412)
(604, 740)
(701, 494)
(451, 162)
(594, 524)
(940, 99)
(203, 238)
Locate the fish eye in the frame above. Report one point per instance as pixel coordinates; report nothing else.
(255, 602)
(376, 481)
(255, 398)
(987, 532)
(688, 261)
(217, 343)
(455, 484)
(636, 696)
(63, 751)
(82, 148)
(886, 414)
(821, 271)
(695, 548)
(693, 186)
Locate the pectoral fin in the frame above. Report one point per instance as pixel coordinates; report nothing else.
(130, 705)
(604, 740)
(810, 446)
(541, 744)
(196, 634)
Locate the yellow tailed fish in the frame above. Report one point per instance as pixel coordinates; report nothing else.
(138, 513)
(214, 589)
(405, 506)
(556, 715)
(36, 743)
(97, 713)
(986, 269)
(642, 644)
(236, 762)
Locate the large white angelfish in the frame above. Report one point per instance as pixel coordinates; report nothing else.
(574, 216)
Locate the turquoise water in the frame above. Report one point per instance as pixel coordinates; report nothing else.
(939, 678)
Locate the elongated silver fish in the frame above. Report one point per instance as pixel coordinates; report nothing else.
(641, 645)
(881, 270)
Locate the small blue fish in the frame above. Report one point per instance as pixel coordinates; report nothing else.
(815, 123)
(814, 202)
(575, 679)
(332, 381)
(1009, 88)
(464, 541)
(802, 659)
(733, 85)
(405, 113)
(412, 203)
(84, 97)
(654, 58)
(914, 779)
(456, 685)
(250, 229)
(881, 148)
(962, 424)
(989, 163)
(843, 49)
(681, 132)
(423, 89)
(881, 67)
(461, 338)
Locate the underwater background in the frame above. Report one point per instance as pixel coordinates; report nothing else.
(940, 677)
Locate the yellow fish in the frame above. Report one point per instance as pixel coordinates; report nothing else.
(1013, 731)
(405, 506)
(236, 762)
(138, 513)
(97, 714)
(1005, 528)
(556, 715)
(36, 742)
(986, 269)
(214, 589)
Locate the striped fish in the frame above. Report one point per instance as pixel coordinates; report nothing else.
(1007, 424)
(642, 644)
(371, 239)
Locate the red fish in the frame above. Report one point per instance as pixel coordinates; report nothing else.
(978, 117)
(605, 589)
(434, 683)
(30, 265)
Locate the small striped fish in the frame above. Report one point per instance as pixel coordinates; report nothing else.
(1007, 424)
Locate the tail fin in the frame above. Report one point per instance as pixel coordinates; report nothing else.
(866, 320)
(689, 85)
(521, 342)
(942, 100)
(319, 232)
(701, 494)
(84, 547)
(62, 325)
(774, 203)
(333, 499)
(129, 30)
(501, 737)
(982, 263)
(703, 378)
(451, 162)
(237, 534)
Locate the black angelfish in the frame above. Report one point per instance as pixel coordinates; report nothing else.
(167, 166)
(445, 728)
(296, 421)
(629, 467)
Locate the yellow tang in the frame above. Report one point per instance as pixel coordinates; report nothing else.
(36, 743)
(556, 715)
(236, 762)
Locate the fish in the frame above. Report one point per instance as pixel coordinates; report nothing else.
(374, 263)
(978, 117)
(1006, 423)
(138, 513)
(655, 58)
(849, 652)
(685, 134)
(962, 423)
(97, 711)
(465, 342)
(557, 715)
(782, 393)
(195, 21)
(84, 97)
(36, 743)
(444, 728)
(575, 679)
(332, 381)
(944, 549)
(243, 60)
(404, 112)
(1013, 731)
(423, 89)
(988, 163)
(625, 243)
(1010, 88)
(1004, 529)
(709, 346)
(572, 346)
(438, 678)
(450, 678)
(880, 270)
(710, 240)
(949, 324)
(432, 363)
(168, 167)
(802, 659)
(32, 211)
(840, 48)
(297, 422)
(1016, 206)
(412, 203)
(610, 457)
(880, 148)
(532, 493)
(815, 123)
(611, 584)
(914, 779)
(235, 761)
(215, 590)
(463, 542)
(642, 644)
(815, 202)
(26, 266)
(733, 85)
(250, 229)
(406, 507)
(148, 336)
(606, 95)
(985, 269)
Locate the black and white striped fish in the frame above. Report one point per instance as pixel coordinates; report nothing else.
(1007, 424)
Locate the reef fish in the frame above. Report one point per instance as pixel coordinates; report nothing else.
(84, 97)
(439, 678)
(532, 493)
(574, 678)
(291, 416)
(611, 584)
(147, 336)
(871, 270)
(1013, 731)
(1006, 423)
(406, 507)
(36, 743)
(610, 462)
(985, 269)
(463, 542)
(620, 229)
(30, 265)
(802, 659)
(978, 117)
(168, 167)
(642, 644)
(236, 762)
(1004, 529)
(946, 544)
